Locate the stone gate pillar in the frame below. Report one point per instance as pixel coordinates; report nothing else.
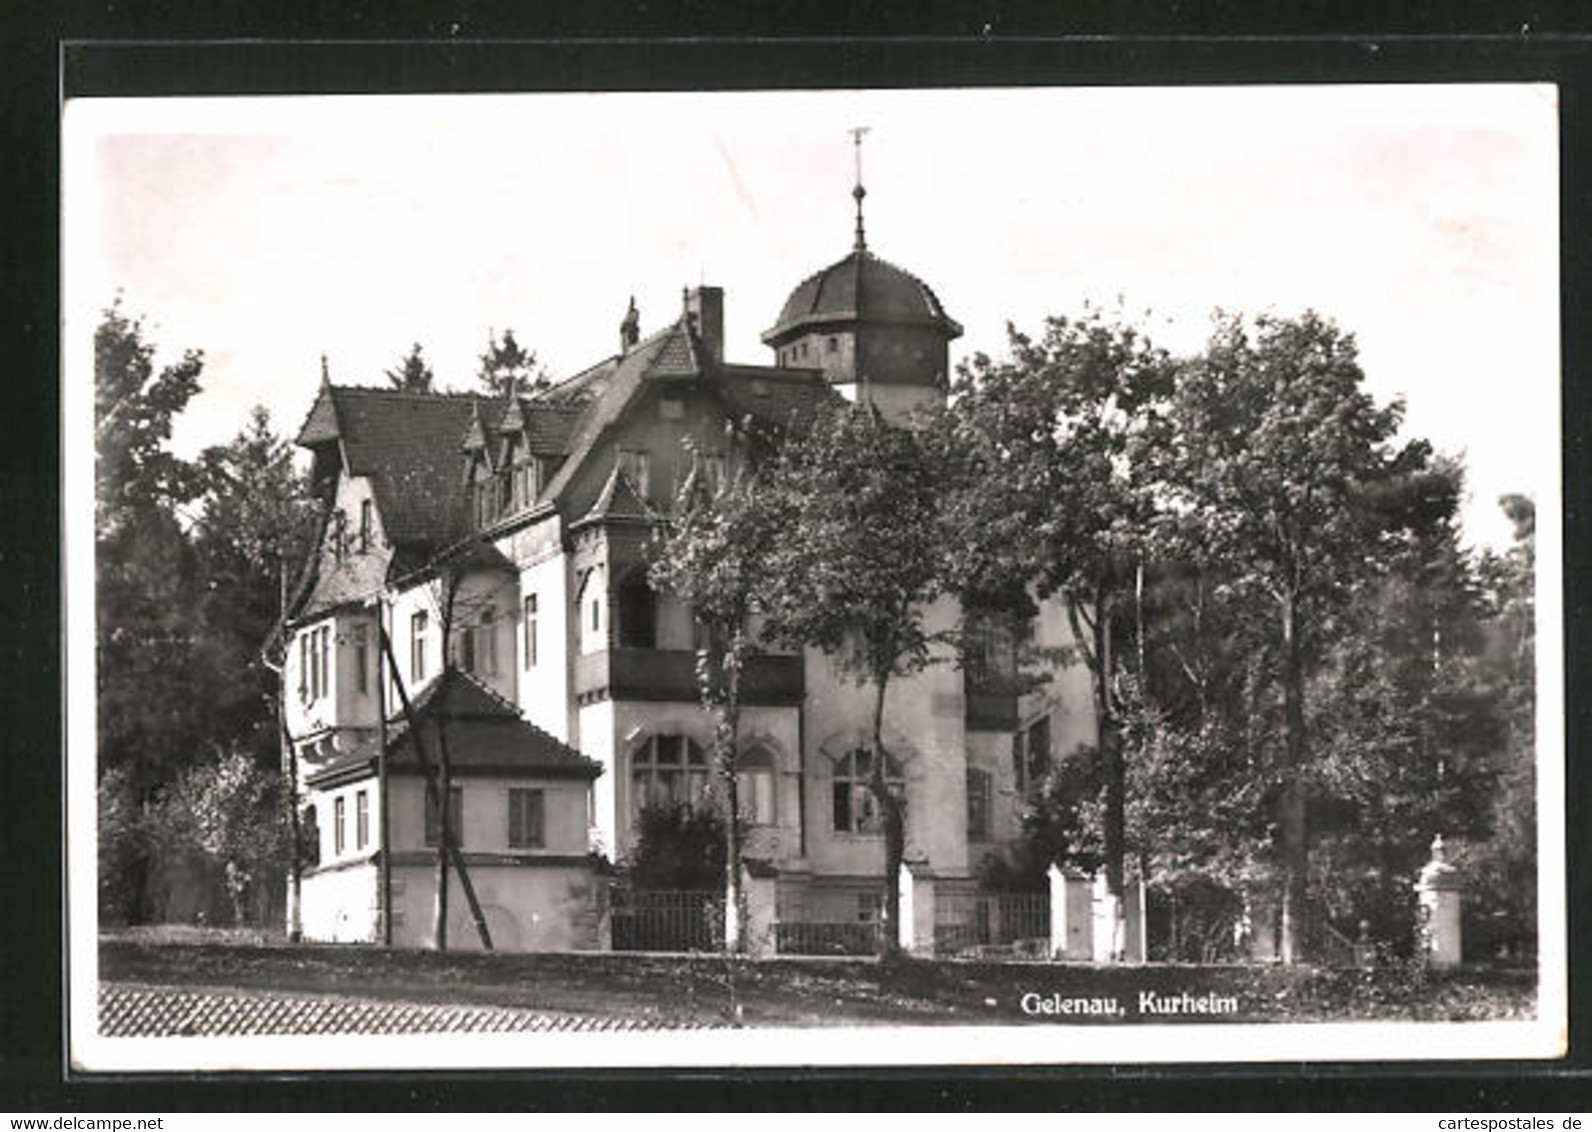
(915, 931)
(1438, 891)
(1107, 914)
(1071, 926)
(759, 893)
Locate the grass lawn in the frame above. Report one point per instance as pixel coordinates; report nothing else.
(796, 992)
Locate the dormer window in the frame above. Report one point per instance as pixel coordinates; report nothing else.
(633, 465)
(340, 535)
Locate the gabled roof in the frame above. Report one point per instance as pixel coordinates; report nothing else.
(409, 444)
(618, 501)
(485, 735)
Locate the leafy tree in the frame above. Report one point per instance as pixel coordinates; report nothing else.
(412, 374)
(858, 562)
(146, 624)
(135, 474)
(1055, 491)
(678, 847)
(122, 848)
(507, 367)
(228, 812)
(256, 522)
(1281, 470)
(713, 555)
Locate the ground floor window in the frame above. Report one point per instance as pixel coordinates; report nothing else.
(361, 819)
(856, 810)
(1031, 755)
(339, 806)
(668, 770)
(527, 818)
(755, 783)
(455, 817)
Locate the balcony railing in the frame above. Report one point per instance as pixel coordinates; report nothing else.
(670, 675)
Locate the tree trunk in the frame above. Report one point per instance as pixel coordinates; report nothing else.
(891, 810)
(1291, 816)
(440, 903)
(734, 898)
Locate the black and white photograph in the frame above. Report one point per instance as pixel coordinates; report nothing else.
(1038, 575)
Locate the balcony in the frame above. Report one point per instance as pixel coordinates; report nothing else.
(991, 707)
(670, 675)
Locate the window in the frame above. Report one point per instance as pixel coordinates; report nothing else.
(671, 408)
(710, 470)
(339, 535)
(530, 631)
(478, 645)
(527, 828)
(755, 780)
(364, 525)
(634, 465)
(668, 770)
(320, 659)
(361, 658)
(1031, 755)
(978, 799)
(638, 614)
(361, 819)
(856, 810)
(310, 836)
(455, 817)
(834, 344)
(596, 612)
(417, 646)
(524, 473)
(304, 666)
(339, 808)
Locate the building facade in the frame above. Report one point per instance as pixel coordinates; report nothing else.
(576, 676)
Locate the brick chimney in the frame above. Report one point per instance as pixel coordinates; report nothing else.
(705, 308)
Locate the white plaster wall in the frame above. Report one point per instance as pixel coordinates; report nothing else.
(527, 908)
(925, 731)
(1068, 695)
(486, 814)
(339, 905)
(325, 803)
(597, 743)
(544, 689)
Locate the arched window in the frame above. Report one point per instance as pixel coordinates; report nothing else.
(638, 613)
(856, 810)
(668, 770)
(756, 778)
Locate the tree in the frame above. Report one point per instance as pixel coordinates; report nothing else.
(412, 374)
(507, 367)
(1055, 491)
(859, 558)
(1281, 468)
(150, 720)
(229, 812)
(256, 521)
(713, 554)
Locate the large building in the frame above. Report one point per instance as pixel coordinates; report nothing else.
(573, 701)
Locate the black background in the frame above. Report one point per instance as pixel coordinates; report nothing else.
(113, 48)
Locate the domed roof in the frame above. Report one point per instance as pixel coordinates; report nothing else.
(861, 288)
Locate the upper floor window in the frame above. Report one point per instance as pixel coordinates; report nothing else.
(978, 804)
(361, 819)
(417, 646)
(478, 651)
(361, 658)
(339, 823)
(339, 535)
(856, 810)
(1031, 755)
(638, 613)
(668, 770)
(366, 522)
(635, 466)
(315, 663)
(527, 818)
(530, 631)
(989, 653)
(455, 817)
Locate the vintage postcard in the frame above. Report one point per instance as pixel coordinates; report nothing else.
(837, 577)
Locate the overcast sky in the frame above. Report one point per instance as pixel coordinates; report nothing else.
(268, 231)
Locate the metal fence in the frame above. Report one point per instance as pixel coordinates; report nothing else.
(666, 920)
(832, 937)
(1015, 923)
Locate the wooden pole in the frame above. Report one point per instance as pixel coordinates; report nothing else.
(381, 780)
(433, 795)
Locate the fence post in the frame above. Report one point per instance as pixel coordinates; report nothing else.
(1438, 890)
(759, 890)
(915, 932)
(1107, 912)
(1136, 945)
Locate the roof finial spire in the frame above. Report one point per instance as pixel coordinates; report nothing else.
(326, 376)
(858, 192)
